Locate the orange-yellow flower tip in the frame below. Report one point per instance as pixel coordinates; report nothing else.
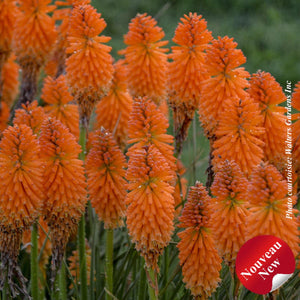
(21, 172)
(150, 211)
(105, 167)
(229, 210)
(58, 99)
(267, 92)
(113, 110)
(226, 79)
(89, 66)
(271, 209)
(186, 71)
(147, 125)
(10, 83)
(31, 115)
(8, 13)
(239, 134)
(198, 256)
(146, 60)
(64, 184)
(34, 33)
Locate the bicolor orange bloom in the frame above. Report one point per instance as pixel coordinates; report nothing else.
(105, 168)
(114, 109)
(31, 115)
(56, 94)
(34, 37)
(74, 265)
(198, 256)
(8, 14)
(146, 59)
(229, 210)
(150, 211)
(56, 64)
(187, 71)
(4, 116)
(10, 83)
(239, 134)
(64, 184)
(267, 92)
(271, 209)
(180, 187)
(296, 127)
(147, 126)
(21, 197)
(89, 66)
(43, 243)
(226, 79)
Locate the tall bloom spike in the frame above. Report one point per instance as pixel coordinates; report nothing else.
(31, 115)
(105, 167)
(187, 71)
(268, 94)
(56, 64)
(89, 67)
(64, 183)
(56, 94)
(229, 210)
(114, 109)
(271, 209)
(150, 211)
(226, 79)
(8, 13)
(146, 60)
(34, 37)
(296, 128)
(10, 83)
(148, 126)
(239, 134)
(198, 256)
(21, 198)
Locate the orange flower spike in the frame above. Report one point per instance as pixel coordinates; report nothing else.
(21, 197)
(186, 71)
(268, 94)
(229, 210)
(226, 79)
(239, 135)
(8, 13)
(150, 211)
(34, 38)
(105, 167)
(270, 212)
(148, 125)
(64, 183)
(89, 67)
(55, 93)
(146, 60)
(31, 115)
(198, 256)
(114, 109)
(10, 83)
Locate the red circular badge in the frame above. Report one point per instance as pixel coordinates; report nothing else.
(264, 263)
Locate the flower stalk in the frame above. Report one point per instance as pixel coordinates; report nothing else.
(109, 263)
(34, 262)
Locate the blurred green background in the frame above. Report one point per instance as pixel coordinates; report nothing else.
(266, 31)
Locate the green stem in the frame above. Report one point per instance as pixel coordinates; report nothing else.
(142, 286)
(34, 262)
(62, 283)
(109, 262)
(152, 284)
(81, 229)
(166, 270)
(194, 148)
